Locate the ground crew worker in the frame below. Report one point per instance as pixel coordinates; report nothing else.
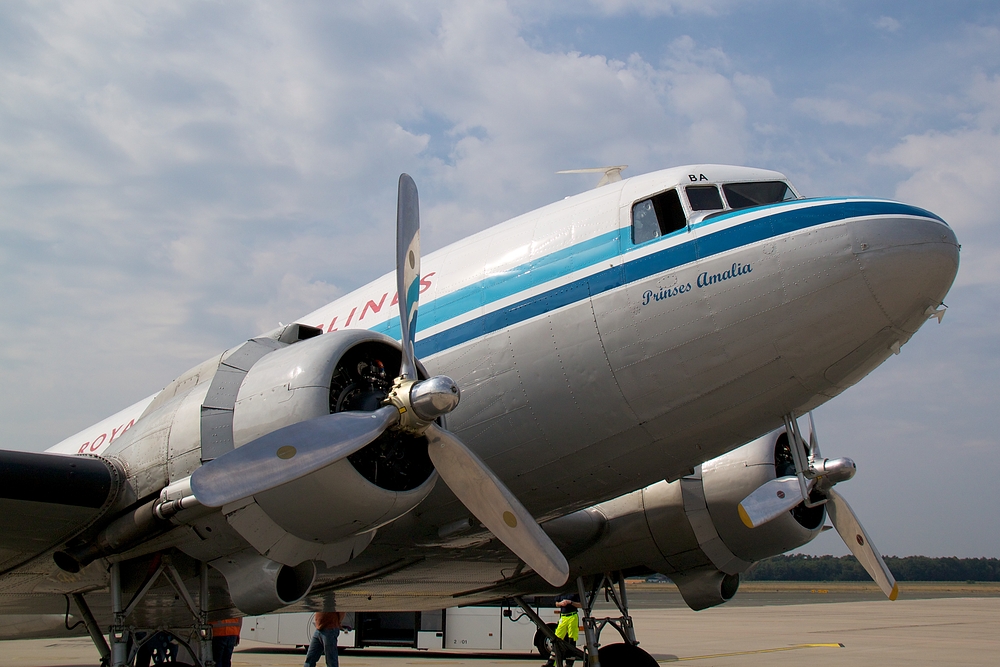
(569, 624)
(225, 637)
(324, 640)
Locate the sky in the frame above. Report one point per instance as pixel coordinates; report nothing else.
(176, 177)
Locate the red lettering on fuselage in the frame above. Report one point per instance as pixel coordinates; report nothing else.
(95, 444)
(120, 431)
(375, 307)
(425, 282)
(371, 305)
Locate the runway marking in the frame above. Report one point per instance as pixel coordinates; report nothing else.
(901, 626)
(763, 650)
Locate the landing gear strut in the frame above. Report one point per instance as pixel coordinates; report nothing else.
(127, 641)
(627, 654)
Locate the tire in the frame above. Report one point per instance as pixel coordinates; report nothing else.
(624, 655)
(542, 643)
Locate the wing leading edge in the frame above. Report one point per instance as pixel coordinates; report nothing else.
(46, 499)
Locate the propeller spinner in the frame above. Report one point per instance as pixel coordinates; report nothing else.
(816, 477)
(412, 406)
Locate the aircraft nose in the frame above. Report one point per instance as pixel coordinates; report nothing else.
(909, 263)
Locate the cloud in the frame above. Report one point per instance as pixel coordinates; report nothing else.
(657, 7)
(644, 8)
(955, 173)
(887, 23)
(197, 172)
(832, 111)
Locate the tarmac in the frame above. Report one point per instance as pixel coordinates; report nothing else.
(812, 625)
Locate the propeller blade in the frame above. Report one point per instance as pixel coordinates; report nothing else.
(408, 269)
(482, 492)
(287, 454)
(846, 522)
(813, 439)
(770, 500)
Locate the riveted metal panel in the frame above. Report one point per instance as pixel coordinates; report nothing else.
(246, 355)
(668, 524)
(216, 432)
(559, 362)
(217, 409)
(184, 443)
(709, 541)
(184, 382)
(224, 388)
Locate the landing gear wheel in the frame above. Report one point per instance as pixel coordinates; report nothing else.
(624, 655)
(542, 643)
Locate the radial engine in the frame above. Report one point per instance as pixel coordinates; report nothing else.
(690, 529)
(253, 390)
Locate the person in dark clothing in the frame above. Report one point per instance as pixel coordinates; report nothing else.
(225, 637)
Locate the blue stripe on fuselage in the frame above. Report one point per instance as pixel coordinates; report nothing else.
(603, 248)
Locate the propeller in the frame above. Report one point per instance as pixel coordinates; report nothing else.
(412, 406)
(813, 484)
(269, 461)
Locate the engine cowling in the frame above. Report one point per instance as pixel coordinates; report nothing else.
(349, 370)
(689, 529)
(259, 387)
(728, 479)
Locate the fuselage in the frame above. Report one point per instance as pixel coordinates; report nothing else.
(596, 357)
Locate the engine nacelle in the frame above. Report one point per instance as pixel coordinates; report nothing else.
(730, 478)
(260, 387)
(689, 529)
(350, 370)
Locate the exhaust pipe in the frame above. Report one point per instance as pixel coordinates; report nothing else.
(125, 532)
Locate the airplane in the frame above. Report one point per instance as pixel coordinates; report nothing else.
(610, 384)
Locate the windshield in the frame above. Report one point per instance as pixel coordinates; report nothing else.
(745, 195)
(703, 197)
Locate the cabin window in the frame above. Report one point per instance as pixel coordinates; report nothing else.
(745, 195)
(704, 197)
(657, 216)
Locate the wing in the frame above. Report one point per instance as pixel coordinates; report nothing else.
(46, 499)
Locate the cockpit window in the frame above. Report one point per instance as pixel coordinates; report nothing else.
(745, 195)
(704, 197)
(657, 216)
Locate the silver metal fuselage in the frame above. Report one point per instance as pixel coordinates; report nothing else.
(591, 367)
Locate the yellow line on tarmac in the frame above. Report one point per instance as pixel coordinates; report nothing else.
(763, 650)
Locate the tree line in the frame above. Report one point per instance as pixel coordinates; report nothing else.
(801, 567)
